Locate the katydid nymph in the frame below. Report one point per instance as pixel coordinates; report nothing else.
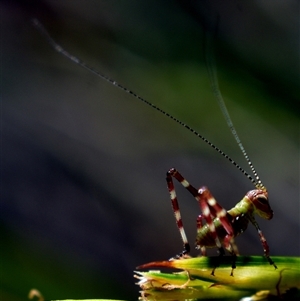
(221, 226)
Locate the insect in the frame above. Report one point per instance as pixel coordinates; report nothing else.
(221, 226)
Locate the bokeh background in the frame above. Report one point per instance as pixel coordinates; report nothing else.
(84, 199)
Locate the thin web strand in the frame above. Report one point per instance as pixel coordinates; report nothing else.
(81, 63)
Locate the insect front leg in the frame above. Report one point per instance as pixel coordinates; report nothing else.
(262, 240)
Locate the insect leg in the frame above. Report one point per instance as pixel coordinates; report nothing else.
(231, 247)
(262, 240)
(176, 210)
(199, 227)
(211, 210)
(204, 207)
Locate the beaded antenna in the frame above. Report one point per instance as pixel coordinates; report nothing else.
(221, 226)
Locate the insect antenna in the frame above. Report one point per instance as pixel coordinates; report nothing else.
(214, 84)
(211, 68)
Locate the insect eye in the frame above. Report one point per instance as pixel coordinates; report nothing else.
(263, 201)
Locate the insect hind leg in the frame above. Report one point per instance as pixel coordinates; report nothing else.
(208, 206)
(200, 245)
(173, 172)
(211, 210)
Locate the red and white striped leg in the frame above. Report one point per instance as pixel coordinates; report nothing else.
(173, 173)
(210, 210)
(208, 206)
(263, 241)
(199, 227)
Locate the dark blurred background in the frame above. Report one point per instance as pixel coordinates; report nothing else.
(84, 199)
